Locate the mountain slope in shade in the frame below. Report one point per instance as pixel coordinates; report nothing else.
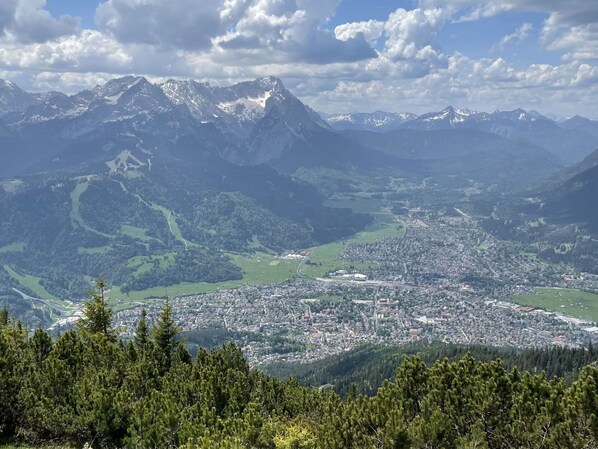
(583, 124)
(15, 99)
(567, 173)
(375, 121)
(467, 153)
(575, 200)
(573, 195)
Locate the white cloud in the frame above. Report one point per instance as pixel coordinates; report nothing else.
(180, 24)
(226, 41)
(88, 51)
(408, 32)
(520, 34)
(257, 29)
(371, 30)
(27, 21)
(571, 26)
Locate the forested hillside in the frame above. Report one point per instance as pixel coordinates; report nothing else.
(366, 368)
(89, 386)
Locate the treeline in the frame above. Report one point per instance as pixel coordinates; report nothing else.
(366, 368)
(89, 386)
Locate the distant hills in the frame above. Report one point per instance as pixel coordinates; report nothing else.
(571, 140)
(466, 153)
(582, 124)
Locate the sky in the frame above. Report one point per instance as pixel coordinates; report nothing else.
(336, 55)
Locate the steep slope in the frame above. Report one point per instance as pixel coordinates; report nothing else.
(574, 201)
(568, 173)
(264, 117)
(14, 99)
(249, 123)
(94, 125)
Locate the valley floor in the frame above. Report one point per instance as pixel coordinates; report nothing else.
(425, 278)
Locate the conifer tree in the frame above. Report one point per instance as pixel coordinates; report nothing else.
(4, 316)
(165, 336)
(97, 316)
(141, 336)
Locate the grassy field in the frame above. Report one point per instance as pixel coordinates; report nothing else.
(143, 264)
(30, 282)
(13, 247)
(173, 225)
(75, 214)
(135, 232)
(260, 268)
(568, 301)
(326, 257)
(94, 250)
(264, 268)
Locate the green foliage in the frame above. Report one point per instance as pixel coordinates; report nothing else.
(165, 334)
(367, 367)
(97, 316)
(85, 387)
(101, 224)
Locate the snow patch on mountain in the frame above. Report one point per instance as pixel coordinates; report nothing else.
(375, 121)
(247, 108)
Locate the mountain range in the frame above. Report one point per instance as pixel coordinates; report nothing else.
(249, 123)
(571, 140)
(157, 184)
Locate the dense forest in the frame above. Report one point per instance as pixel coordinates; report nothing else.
(366, 368)
(181, 224)
(89, 386)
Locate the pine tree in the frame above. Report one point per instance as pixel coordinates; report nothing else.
(97, 316)
(4, 316)
(141, 337)
(165, 337)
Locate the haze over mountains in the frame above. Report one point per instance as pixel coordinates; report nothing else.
(571, 140)
(132, 125)
(151, 184)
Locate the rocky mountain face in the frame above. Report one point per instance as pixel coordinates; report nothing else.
(248, 123)
(14, 99)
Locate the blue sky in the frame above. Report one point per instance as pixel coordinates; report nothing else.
(337, 55)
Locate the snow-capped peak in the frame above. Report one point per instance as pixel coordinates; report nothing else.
(114, 89)
(5, 84)
(13, 98)
(377, 120)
